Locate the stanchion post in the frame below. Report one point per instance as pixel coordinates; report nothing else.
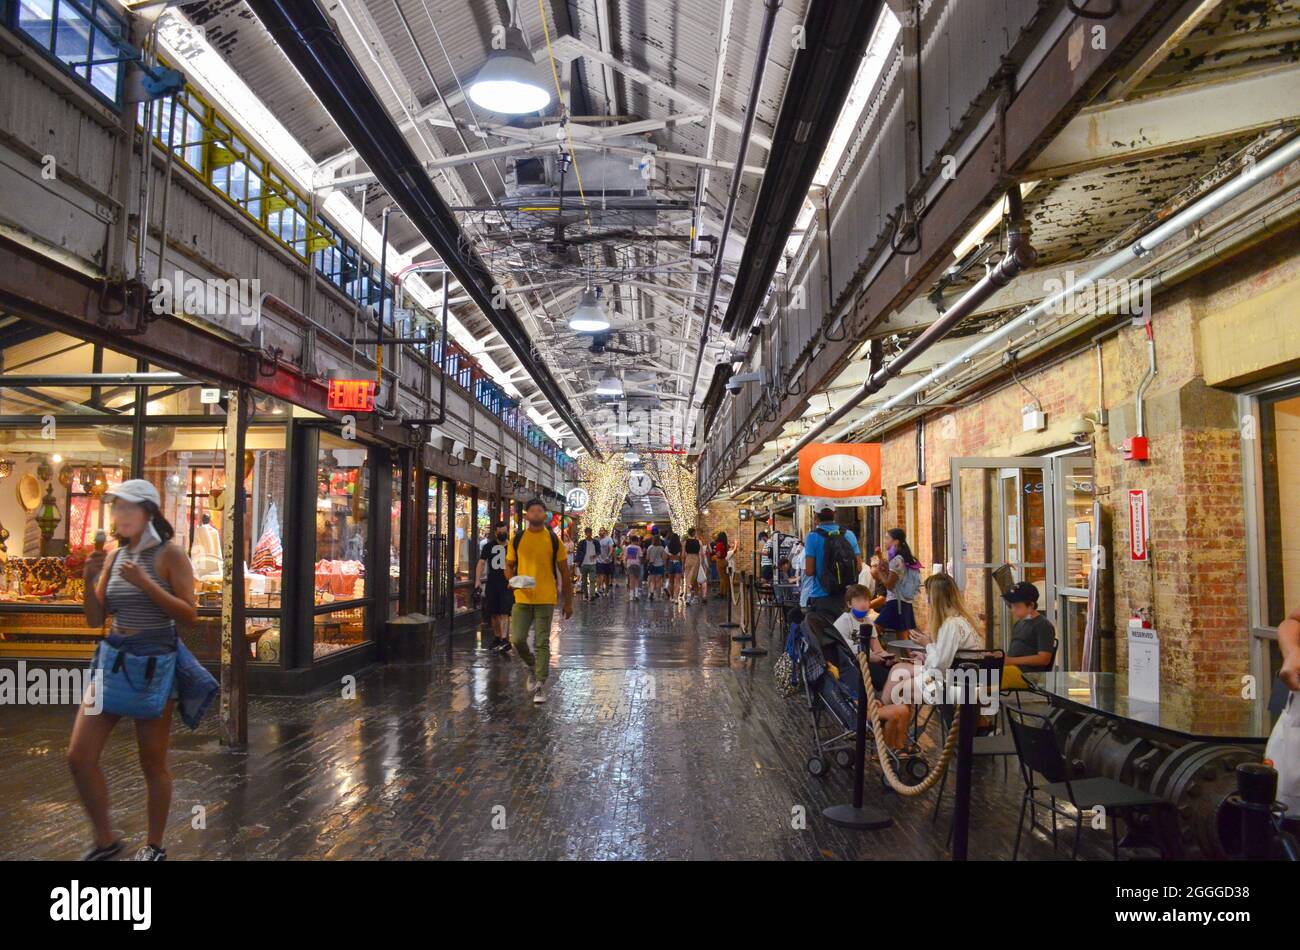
(859, 815)
(968, 719)
(751, 625)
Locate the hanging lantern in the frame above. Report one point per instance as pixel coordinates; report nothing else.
(6, 467)
(43, 470)
(65, 475)
(95, 481)
(48, 515)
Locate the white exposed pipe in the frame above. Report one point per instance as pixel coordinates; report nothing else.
(1193, 213)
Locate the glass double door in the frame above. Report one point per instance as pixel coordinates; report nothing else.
(1026, 519)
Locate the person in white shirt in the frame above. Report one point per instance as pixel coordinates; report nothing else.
(954, 628)
(605, 562)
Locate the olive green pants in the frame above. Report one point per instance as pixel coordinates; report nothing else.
(524, 616)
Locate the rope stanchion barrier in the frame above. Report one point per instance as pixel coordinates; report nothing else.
(882, 754)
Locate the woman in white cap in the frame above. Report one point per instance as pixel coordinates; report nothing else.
(147, 588)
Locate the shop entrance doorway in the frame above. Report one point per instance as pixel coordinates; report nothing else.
(1027, 519)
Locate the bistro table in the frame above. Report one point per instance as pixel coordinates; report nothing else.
(1181, 712)
(1184, 748)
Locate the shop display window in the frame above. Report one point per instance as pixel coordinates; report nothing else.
(51, 507)
(395, 541)
(342, 536)
(187, 464)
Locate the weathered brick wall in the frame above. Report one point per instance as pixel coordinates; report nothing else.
(724, 515)
(1195, 583)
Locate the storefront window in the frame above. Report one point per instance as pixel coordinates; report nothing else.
(342, 529)
(1279, 524)
(51, 507)
(188, 465)
(464, 547)
(395, 542)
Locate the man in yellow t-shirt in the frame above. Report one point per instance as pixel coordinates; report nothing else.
(538, 553)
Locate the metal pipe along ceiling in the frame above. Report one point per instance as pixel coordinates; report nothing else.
(308, 39)
(1193, 213)
(737, 176)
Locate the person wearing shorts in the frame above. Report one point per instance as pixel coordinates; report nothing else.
(656, 559)
(632, 552)
(675, 564)
(498, 601)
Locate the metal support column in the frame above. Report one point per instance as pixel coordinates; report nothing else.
(234, 640)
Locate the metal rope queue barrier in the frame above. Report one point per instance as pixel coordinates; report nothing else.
(749, 619)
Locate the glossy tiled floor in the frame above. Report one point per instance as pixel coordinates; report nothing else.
(659, 741)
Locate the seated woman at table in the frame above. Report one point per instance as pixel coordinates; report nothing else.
(953, 629)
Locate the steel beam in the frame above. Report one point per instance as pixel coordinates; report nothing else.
(1188, 116)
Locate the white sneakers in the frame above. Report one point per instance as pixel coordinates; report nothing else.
(530, 684)
(539, 695)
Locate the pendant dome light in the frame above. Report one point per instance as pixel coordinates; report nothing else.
(590, 316)
(609, 385)
(510, 82)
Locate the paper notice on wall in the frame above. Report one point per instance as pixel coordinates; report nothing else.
(1143, 663)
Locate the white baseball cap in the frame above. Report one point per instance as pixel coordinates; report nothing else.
(136, 490)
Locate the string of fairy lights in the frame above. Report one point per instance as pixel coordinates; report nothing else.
(606, 483)
(677, 481)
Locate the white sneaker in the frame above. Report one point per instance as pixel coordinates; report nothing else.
(539, 697)
(530, 684)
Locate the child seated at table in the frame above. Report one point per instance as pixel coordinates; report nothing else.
(1033, 639)
(858, 614)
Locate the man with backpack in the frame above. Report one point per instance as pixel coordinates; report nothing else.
(537, 567)
(832, 560)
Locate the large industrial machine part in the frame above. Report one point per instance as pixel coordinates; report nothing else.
(1195, 776)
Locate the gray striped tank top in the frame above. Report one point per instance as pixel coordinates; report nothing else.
(130, 606)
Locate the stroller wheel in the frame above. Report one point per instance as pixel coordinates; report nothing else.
(914, 770)
(844, 759)
(816, 766)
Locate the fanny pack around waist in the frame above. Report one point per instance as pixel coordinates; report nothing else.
(136, 682)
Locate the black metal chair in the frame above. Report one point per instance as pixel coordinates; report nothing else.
(1040, 753)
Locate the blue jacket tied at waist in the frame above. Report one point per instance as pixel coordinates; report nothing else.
(195, 686)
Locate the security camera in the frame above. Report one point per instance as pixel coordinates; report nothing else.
(1081, 430)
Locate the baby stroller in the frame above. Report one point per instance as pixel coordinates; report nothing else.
(832, 684)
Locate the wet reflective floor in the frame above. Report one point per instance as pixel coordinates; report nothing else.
(659, 742)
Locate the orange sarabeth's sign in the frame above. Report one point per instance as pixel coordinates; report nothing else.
(844, 473)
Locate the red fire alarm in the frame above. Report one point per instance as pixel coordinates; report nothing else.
(1135, 449)
(352, 395)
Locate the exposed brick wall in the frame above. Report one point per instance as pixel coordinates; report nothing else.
(1196, 581)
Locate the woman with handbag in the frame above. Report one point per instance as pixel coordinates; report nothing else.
(141, 669)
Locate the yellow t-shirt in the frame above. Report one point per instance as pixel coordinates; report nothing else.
(536, 559)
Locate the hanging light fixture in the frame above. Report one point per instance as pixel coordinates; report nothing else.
(609, 385)
(510, 82)
(590, 316)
